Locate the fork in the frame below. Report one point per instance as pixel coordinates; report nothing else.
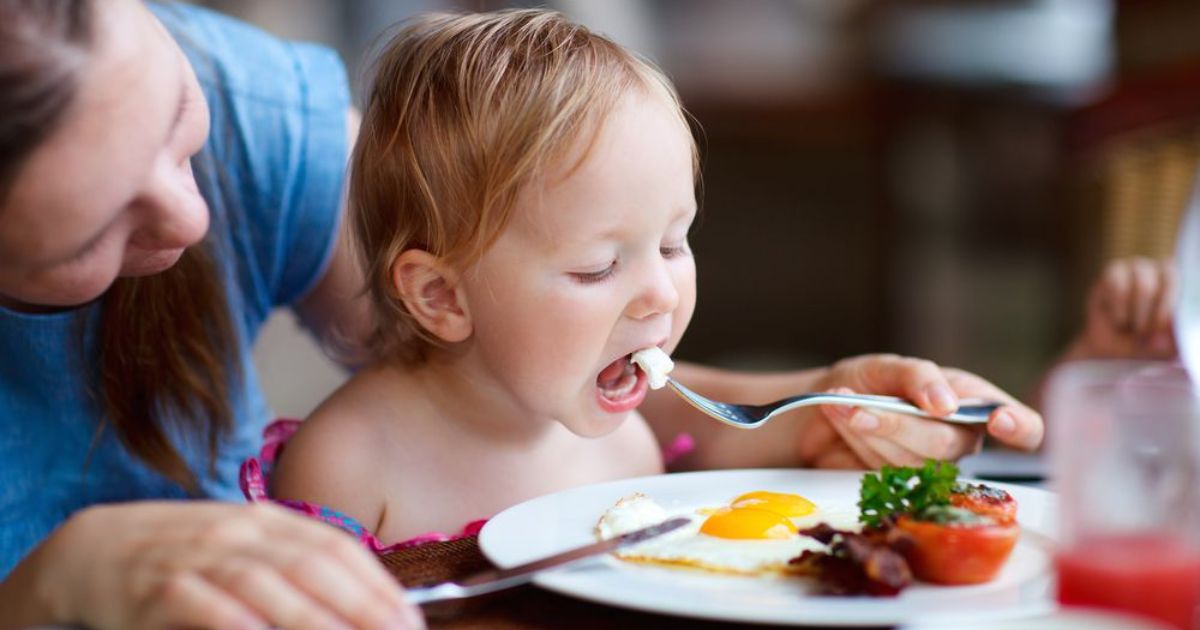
(970, 411)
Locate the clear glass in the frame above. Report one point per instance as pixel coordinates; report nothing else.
(1187, 304)
(1125, 457)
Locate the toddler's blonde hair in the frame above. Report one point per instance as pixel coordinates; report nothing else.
(465, 111)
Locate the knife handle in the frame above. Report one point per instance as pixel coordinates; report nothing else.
(453, 590)
(492, 580)
(436, 593)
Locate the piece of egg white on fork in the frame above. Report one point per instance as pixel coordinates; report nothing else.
(655, 363)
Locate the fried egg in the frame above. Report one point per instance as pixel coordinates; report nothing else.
(753, 534)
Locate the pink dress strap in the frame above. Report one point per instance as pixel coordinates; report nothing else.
(683, 444)
(254, 481)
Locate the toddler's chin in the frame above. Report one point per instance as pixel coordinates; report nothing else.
(596, 426)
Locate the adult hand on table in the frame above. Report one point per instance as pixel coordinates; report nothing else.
(210, 565)
(1130, 312)
(857, 438)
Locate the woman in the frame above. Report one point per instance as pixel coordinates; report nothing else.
(140, 254)
(102, 115)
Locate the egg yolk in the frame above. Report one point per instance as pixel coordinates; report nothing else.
(781, 503)
(748, 523)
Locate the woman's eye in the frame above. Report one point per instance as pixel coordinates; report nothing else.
(588, 277)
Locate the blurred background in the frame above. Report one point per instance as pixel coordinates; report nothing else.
(939, 178)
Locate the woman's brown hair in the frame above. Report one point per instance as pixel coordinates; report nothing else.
(465, 111)
(165, 345)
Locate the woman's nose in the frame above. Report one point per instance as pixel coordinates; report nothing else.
(657, 293)
(174, 214)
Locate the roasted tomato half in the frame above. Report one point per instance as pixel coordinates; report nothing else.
(986, 501)
(968, 552)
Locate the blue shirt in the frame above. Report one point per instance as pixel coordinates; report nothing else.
(279, 139)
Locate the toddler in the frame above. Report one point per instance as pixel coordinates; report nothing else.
(521, 191)
(521, 194)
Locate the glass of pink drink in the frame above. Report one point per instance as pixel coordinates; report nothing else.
(1126, 455)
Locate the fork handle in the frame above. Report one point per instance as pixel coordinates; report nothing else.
(969, 411)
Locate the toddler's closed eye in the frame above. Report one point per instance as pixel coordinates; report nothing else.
(673, 251)
(588, 277)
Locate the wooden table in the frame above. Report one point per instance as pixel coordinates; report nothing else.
(519, 608)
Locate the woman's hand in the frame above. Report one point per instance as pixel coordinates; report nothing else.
(207, 565)
(867, 437)
(1129, 312)
(832, 436)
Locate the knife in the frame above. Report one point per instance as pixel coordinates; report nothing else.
(493, 580)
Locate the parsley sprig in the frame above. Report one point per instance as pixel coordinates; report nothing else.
(903, 490)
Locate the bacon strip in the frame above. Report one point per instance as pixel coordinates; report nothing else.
(867, 563)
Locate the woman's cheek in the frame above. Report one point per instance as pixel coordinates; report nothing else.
(88, 278)
(61, 288)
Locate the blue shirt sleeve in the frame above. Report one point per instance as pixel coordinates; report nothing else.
(278, 140)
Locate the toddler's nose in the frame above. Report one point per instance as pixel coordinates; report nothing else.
(657, 295)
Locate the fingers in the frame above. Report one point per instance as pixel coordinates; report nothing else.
(1017, 426)
(295, 572)
(902, 440)
(919, 380)
(344, 551)
(1014, 424)
(854, 443)
(1161, 340)
(899, 439)
(189, 601)
(331, 569)
(290, 587)
(876, 438)
(1134, 297)
(278, 600)
(205, 564)
(332, 585)
(1108, 300)
(1146, 279)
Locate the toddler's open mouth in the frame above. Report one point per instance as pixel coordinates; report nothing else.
(618, 380)
(622, 384)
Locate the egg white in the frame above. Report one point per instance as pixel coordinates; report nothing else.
(689, 547)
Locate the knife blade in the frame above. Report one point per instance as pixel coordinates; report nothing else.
(493, 580)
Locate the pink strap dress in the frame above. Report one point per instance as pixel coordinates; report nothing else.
(255, 474)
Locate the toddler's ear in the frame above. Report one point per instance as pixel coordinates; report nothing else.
(430, 292)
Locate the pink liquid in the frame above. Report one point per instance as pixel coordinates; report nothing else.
(1156, 577)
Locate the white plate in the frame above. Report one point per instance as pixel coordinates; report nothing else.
(566, 519)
